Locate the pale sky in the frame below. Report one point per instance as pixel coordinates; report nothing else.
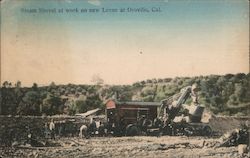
(187, 38)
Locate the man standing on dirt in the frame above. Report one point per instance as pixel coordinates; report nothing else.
(60, 129)
(46, 131)
(52, 129)
(194, 95)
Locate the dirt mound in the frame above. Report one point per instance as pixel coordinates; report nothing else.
(225, 124)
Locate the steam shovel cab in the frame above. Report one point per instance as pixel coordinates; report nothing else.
(124, 118)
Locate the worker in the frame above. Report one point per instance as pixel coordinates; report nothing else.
(46, 130)
(101, 129)
(98, 123)
(52, 129)
(158, 123)
(60, 128)
(146, 124)
(194, 95)
(92, 127)
(29, 135)
(83, 131)
(141, 120)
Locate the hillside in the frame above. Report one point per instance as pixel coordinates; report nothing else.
(226, 95)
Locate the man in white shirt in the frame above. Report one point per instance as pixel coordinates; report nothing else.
(52, 129)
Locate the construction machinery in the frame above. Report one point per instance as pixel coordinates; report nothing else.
(156, 118)
(186, 124)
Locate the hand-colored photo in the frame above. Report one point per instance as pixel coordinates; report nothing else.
(136, 78)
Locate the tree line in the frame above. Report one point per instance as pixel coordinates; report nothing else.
(222, 94)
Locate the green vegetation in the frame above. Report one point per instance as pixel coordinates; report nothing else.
(227, 95)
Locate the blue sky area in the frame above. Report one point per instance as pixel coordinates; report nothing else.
(186, 38)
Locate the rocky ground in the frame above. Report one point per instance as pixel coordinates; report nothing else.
(141, 146)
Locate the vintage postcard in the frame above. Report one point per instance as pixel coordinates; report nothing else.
(124, 78)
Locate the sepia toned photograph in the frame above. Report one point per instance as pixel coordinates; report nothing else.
(124, 78)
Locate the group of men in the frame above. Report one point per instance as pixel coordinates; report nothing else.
(52, 128)
(96, 127)
(61, 128)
